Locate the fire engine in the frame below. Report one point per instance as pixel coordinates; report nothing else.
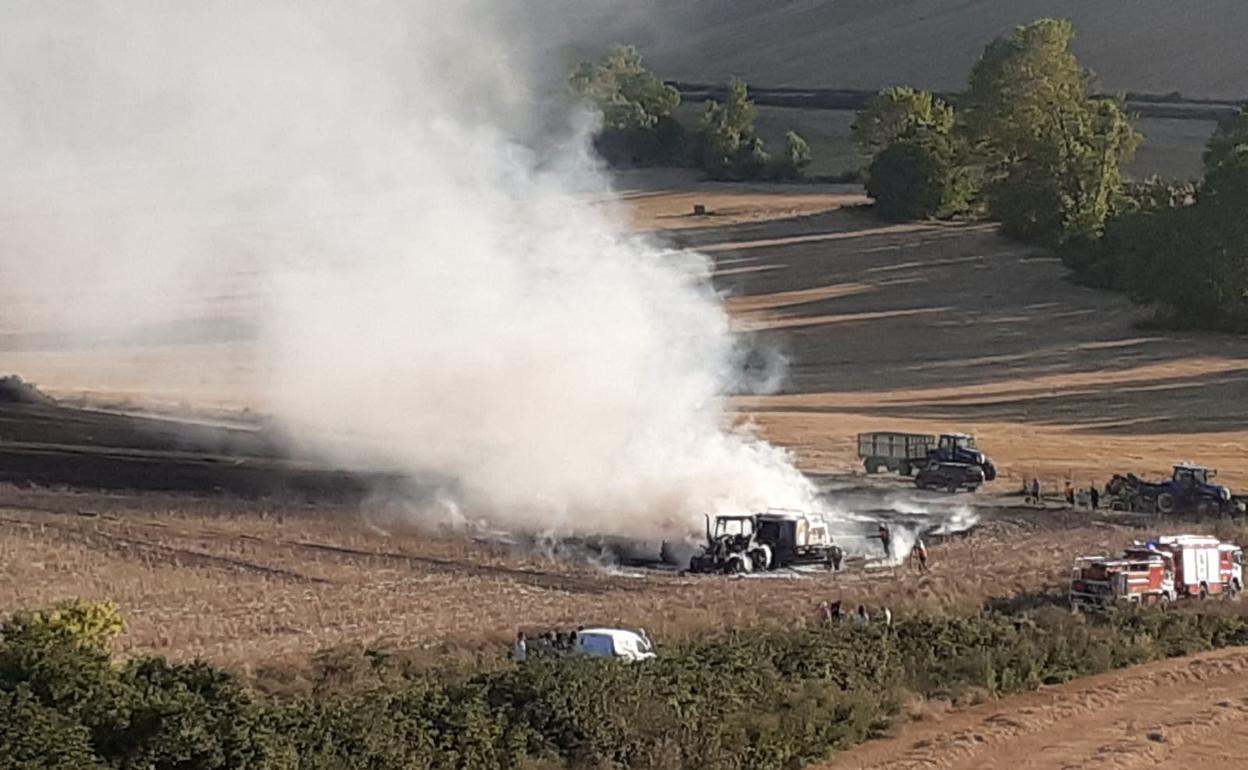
(1159, 571)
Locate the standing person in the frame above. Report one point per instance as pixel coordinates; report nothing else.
(886, 541)
(1035, 492)
(825, 613)
(861, 617)
(920, 553)
(1070, 494)
(837, 613)
(520, 650)
(886, 615)
(1094, 495)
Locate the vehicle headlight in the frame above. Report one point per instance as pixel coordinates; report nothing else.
(1225, 493)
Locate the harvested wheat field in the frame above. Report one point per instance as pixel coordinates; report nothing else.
(242, 582)
(1183, 713)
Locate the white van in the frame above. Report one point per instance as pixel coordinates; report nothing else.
(614, 643)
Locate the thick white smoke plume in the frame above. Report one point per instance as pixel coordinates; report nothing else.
(388, 196)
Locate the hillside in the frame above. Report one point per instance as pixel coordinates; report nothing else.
(1154, 46)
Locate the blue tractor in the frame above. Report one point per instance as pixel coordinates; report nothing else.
(960, 448)
(1190, 489)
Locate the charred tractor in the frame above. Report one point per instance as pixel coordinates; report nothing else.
(761, 542)
(1189, 490)
(908, 453)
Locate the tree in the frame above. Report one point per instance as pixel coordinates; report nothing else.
(1228, 140)
(1051, 153)
(1188, 254)
(730, 148)
(898, 113)
(636, 107)
(627, 94)
(796, 157)
(917, 179)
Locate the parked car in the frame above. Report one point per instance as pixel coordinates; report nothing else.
(950, 476)
(614, 643)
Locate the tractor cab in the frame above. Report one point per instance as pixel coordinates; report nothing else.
(732, 526)
(1192, 482)
(960, 448)
(952, 442)
(1192, 475)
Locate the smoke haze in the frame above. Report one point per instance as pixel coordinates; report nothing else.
(395, 203)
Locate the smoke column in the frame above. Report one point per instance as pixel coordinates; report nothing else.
(389, 192)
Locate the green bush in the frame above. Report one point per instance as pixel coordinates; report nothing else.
(772, 700)
(915, 179)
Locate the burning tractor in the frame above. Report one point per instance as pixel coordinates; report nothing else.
(766, 541)
(1158, 572)
(1190, 489)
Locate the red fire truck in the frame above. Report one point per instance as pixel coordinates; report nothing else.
(1159, 570)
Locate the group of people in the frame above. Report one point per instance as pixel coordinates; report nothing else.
(547, 644)
(1034, 495)
(833, 612)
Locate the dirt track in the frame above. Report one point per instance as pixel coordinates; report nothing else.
(1189, 713)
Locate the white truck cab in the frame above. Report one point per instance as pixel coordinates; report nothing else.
(614, 643)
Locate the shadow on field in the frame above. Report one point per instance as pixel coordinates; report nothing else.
(859, 306)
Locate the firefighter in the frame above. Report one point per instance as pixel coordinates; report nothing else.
(1035, 492)
(920, 553)
(886, 541)
(1094, 495)
(1070, 494)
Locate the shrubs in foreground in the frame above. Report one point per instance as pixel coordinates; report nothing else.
(756, 699)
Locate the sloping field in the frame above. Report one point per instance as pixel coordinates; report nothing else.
(913, 327)
(1189, 713)
(253, 582)
(1154, 46)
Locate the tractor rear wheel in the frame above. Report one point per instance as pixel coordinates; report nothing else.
(1165, 503)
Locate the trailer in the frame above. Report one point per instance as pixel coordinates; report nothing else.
(907, 453)
(903, 453)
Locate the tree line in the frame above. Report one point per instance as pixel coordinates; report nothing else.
(639, 127)
(1027, 144)
(759, 699)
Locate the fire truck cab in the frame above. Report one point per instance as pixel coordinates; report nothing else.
(1159, 571)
